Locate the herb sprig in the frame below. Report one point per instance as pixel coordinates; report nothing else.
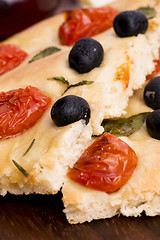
(28, 149)
(64, 81)
(20, 168)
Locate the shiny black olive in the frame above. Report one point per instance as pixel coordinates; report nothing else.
(152, 93)
(85, 55)
(130, 23)
(153, 124)
(70, 109)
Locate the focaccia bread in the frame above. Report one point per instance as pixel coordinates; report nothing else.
(56, 149)
(142, 192)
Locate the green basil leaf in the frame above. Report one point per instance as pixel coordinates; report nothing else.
(148, 12)
(124, 126)
(44, 53)
(20, 168)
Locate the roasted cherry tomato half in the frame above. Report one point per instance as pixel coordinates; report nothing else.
(106, 165)
(20, 109)
(10, 57)
(82, 23)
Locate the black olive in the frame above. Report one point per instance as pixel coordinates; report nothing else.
(70, 109)
(152, 93)
(85, 55)
(130, 23)
(153, 124)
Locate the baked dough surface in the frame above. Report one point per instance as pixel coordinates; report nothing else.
(56, 149)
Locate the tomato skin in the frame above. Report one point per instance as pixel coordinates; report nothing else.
(156, 70)
(106, 165)
(20, 109)
(85, 23)
(10, 57)
(123, 74)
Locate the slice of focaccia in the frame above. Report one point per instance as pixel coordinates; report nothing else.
(142, 192)
(55, 149)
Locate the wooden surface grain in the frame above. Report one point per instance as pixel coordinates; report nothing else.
(37, 217)
(40, 217)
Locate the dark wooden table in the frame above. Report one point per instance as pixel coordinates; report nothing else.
(66, 5)
(37, 217)
(41, 217)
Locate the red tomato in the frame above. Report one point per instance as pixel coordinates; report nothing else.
(10, 57)
(106, 165)
(20, 109)
(156, 70)
(122, 74)
(85, 23)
